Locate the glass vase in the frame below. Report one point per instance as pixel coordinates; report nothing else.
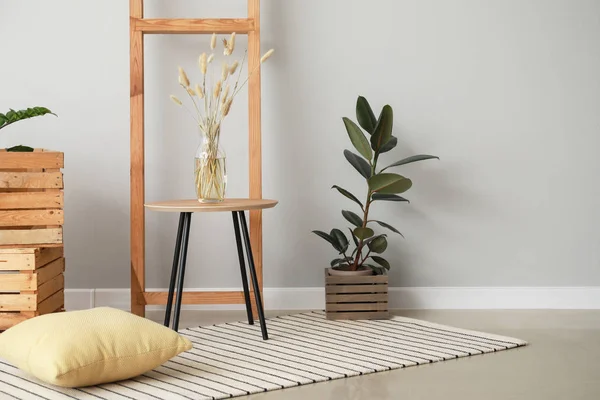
(210, 171)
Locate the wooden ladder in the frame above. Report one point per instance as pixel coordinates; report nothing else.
(138, 28)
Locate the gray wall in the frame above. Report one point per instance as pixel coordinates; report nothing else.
(507, 93)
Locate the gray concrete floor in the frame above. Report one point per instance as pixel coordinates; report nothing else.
(562, 360)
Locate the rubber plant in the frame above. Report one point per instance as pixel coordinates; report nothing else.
(382, 185)
(13, 116)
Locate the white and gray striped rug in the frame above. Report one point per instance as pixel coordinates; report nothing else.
(231, 359)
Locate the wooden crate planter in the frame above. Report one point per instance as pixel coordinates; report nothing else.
(31, 199)
(31, 243)
(31, 283)
(356, 297)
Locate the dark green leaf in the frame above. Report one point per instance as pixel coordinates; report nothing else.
(389, 183)
(340, 239)
(13, 116)
(378, 245)
(363, 233)
(381, 261)
(20, 149)
(410, 159)
(336, 261)
(358, 139)
(383, 129)
(329, 238)
(388, 197)
(369, 240)
(352, 218)
(358, 163)
(364, 115)
(348, 195)
(389, 145)
(391, 228)
(354, 239)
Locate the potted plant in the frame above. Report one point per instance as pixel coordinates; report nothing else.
(13, 116)
(352, 289)
(382, 185)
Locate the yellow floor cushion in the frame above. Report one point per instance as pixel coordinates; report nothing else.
(83, 348)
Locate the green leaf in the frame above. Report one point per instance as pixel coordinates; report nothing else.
(383, 129)
(381, 261)
(391, 228)
(369, 240)
(329, 238)
(13, 116)
(336, 261)
(340, 239)
(358, 163)
(20, 149)
(364, 115)
(354, 239)
(410, 159)
(389, 145)
(378, 245)
(353, 218)
(363, 233)
(348, 195)
(389, 183)
(388, 197)
(358, 139)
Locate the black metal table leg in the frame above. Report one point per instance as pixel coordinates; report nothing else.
(187, 220)
(240, 250)
(174, 271)
(259, 305)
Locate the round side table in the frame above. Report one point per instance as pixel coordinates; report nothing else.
(237, 207)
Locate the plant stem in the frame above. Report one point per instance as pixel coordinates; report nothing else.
(357, 260)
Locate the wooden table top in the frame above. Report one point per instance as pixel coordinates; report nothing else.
(225, 205)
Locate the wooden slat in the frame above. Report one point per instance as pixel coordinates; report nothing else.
(31, 217)
(358, 315)
(136, 82)
(46, 255)
(355, 298)
(254, 139)
(51, 304)
(31, 200)
(49, 288)
(336, 280)
(223, 25)
(31, 236)
(357, 307)
(35, 160)
(18, 250)
(31, 180)
(356, 289)
(17, 282)
(159, 298)
(17, 302)
(17, 262)
(50, 271)
(10, 319)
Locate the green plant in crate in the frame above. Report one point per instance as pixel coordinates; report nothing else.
(13, 116)
(382, 185)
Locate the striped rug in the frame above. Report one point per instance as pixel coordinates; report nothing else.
(231, 359)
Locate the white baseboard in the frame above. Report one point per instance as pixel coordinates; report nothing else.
(399, 298)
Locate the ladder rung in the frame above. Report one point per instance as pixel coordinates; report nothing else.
(222, 25)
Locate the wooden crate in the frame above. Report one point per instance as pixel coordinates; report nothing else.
(356, 297)
(31, 283)
(31, 244)
(31, 199)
